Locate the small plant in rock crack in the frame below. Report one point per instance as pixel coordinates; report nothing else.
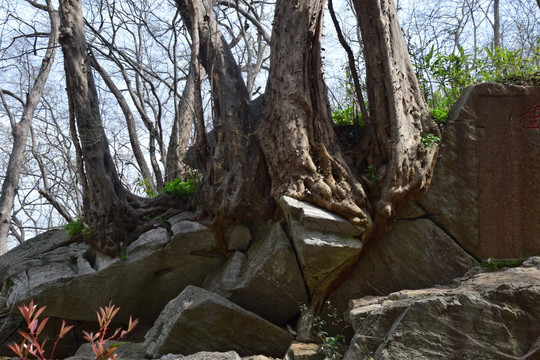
(102, 345)
(331, 344)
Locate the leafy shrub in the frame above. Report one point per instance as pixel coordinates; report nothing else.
(74, 227)
(443, 77)
(347, 116)
(31, 345)
(181, 188)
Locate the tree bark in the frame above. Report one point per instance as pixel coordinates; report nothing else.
(130, 123)
(106, 208)
(295, 130)
(181, 132)
(20, 132)
(497, 23)
(399, 114)
(236, 183)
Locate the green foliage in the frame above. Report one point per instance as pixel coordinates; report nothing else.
(443, 77)
(87, 231)
(493, 264)
(123, 253)
(145, 186)
(347, 116)
(429, 140)
(180, 188)
(332, 345)
(31, 346)
(348, 113)
(74, 227)
(371, 174)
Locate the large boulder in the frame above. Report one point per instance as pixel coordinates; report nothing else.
(486, 316)
(199, 320)
(415, 254)
(484, 192)
(266, 280)
(324, 242)
(74, 280)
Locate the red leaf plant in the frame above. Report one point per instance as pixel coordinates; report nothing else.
(31, 346)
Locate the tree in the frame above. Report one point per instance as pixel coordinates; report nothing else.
(292, 128)
(110, 210)
(21, 129)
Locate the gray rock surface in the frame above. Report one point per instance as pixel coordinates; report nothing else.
(484, 191)
(204, 355)
(237, 237)
(199, 320)
(74, 280)
(267, 280)
(415, 254)
(492, 315)
(323, 241)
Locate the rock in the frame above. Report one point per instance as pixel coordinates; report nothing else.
(199, 320)
(491, 315)
(129, 351)
(484, 191)
(415, 254)
(237, 237)
(266, 280)
(74, 280)
(204, 355)
(324, 242)
(314, 218)
(532, 261)
(303, 351)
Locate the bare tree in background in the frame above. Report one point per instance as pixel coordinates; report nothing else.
(21, 128)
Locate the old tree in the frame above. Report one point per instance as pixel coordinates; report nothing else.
(281, 143)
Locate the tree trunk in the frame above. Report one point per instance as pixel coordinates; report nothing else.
(181, 132)
(295, 130)
(106, 208)
(130, 124)
(20, 133)
(236, 183)
(399, 114)
(497, 24)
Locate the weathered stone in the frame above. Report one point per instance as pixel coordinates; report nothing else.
(237, 237)
(415, 254)
(199, 320)
(266, 280)
(128, 351)
(319, 252)
(204, 355)
(74, 280)
(485, 187)
(491, 315)
(314, 218)
(304, 351)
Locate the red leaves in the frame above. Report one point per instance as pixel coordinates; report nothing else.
(102, 351)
